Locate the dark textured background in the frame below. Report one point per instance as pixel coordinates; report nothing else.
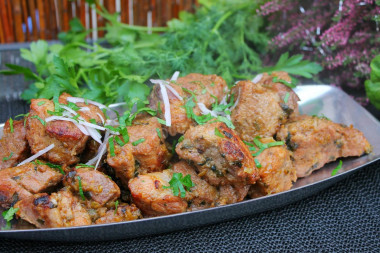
(345, 217)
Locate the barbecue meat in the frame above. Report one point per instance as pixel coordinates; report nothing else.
(69, 141)
(124, 212)
(230, 194)
(123, 162)
(220, 160)
(20, 182)
(261, 108)
(60, 209)
(316, 141)
(277, 173)
(96, 186)
(13, 145)
(204, 87)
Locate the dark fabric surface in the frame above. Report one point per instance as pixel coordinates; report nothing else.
(345, 217)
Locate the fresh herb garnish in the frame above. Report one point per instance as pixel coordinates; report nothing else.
(11, 125)
(159, 133)
(116, 205)
(178, 183)
(257, 144)
(8, 217)
(218, 133)
(80, 188)
(135, 143)
(335, 171)
(180, 139)
(190, 92)
(119, 141)
(41, 103)
(278, 80)
(257, 163)
(82, 165)
(38, 117)
(51, 165)
(286, 98)
(112, 146)
(7, 158)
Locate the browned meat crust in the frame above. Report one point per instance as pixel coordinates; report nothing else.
(220, 160)
(123, 162)
(60, 209)
(13, 145)
(277, 173)
(124, 212)
(317, 141)
(96, 186)
(19, 182)
(261, 108)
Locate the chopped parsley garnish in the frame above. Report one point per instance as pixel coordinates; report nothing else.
(261, 146)
(7, 158)
(80, 188)
(161, 121)
(180, 139)
(93, 121)
(322, 116)
(51, 165)
(278, 80)
(82, 165)
(41, 120)
(190, 92)
(8, 217)
(23, 115)
(286, 98)
(159, 132)
(180, 184)
(116, 205)
(119, 141)
(86, 101)
(41, 103)
(204, 91)
(11, 125)
(135, 143)
(257, 163)
(218, 133)
(112, 146)
(335, 171)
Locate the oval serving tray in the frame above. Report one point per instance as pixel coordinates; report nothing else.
(315, 100)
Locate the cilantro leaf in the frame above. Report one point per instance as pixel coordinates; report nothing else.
(335, 171)
(8, 217)
(180, 184)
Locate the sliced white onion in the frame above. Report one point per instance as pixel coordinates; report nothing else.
(85, 123)
(101, 117)
(167, 85)
(94, 134)
(82, 100)
(205, 110)
(165, 99)
(237, 101)
(82, 129)
(257, 78)
(38, 154)
(175, 76)
(70, 110)
(84, 109)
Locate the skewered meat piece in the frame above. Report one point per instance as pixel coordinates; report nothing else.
(13, 146)
(149, 195)
(148, 156)
(316, 141)
(20, 182)
(124, 212)
(277, 173)
(96, 186)
(68, 140)
(261, 108)
(60, 209)
(220, 160)
(204, 87)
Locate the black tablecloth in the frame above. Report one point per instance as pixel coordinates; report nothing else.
(345, 217)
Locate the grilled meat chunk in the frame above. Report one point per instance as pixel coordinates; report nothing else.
(20, 182)
(13, 145)
(220, 160)
(317, 141)
(60, 209)
(277, 173)
(124, 212)
(230, 194)
(96, 186)
(69, 141)
(123, 162)
(204, 87)
(261, 108)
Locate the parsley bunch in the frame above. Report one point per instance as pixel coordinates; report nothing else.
(178, 183)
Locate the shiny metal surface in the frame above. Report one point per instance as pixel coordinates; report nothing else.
(315, 100)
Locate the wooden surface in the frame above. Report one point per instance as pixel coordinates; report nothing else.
(30, 20)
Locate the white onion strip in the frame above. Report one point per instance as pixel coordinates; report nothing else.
(205, 110)
(167, 85)
(94, 134)
(237, 100)
(84, 109)
(38, 154)
(82, 129)
(101, 117)
(175, 76)
(257, 78)
(165, 99)
(85, 123)
(82, 100)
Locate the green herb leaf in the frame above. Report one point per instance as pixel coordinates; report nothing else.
(261, 146)
(178, 183)
(335, 171)
(8, 217)
(159, 133)
(257, 163)
(82, 165)
(112, 146)
(116, 205)
(7, 158)
(38, 117)
(180, 139)
(80, 188)
(11, 125)
(41, 103)
(286, 98)
(278, 80)
(135, 143)
(218, 133)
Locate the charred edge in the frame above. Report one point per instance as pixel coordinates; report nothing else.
(45, 201)
(286, 109)
(291, 145)
(227, 134)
